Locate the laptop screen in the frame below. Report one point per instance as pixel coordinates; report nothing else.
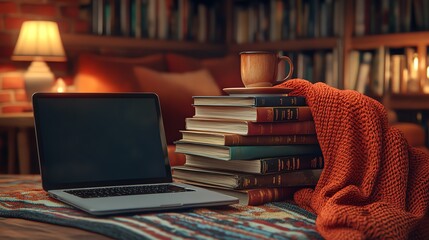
(97, 139)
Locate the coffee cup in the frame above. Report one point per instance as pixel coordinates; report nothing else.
(260, 68)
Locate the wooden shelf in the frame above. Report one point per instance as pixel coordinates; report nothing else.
(396, 40)
(288, 45)
(128, 44)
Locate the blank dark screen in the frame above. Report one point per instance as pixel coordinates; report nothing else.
(100, 139)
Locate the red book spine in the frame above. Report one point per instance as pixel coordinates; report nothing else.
(289, 128)
(289, 179)
(235, 139)
(266, 195)
(283, 114)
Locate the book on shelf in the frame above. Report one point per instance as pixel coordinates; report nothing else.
(354, 62)
(231, 139)
(315, 66)
(97, 12)
(378, 71)
(244, 152)
(390, 16)
(331, 65)
(364, 72)
(250, 128)
(151, 19)
(163, 19)
(384, 69)
(252, 197)
(275, 20)
(255, 114)
(260, 165)
(360, 17)
(163, 16)
(251, 101)
(398, 72)
(236, 180)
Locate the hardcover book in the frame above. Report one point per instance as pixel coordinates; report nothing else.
(260, 165)
(251, 101)
(236, 180)
(244, 152)
(252, 197)
(250, 128)
(255, 114)
(231, 139)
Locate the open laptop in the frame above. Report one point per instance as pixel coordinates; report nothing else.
(106, 153)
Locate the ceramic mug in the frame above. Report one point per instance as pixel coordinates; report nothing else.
(260, 68)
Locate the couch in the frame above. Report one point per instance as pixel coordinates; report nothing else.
(175, 78)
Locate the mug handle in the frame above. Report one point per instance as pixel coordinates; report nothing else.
(287, 59)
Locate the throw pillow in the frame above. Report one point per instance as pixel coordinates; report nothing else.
(97, 73)
(175, 91)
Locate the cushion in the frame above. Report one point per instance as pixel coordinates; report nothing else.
(175, 91)
(225, 70)
(112, 74)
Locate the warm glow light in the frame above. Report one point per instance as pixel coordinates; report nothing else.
(405, 74)
(415, 63)
(427, 72)
(426, 86)
(39, 40)
(414, 68)
(60, 86)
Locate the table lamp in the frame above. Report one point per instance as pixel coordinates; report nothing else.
(38, 41)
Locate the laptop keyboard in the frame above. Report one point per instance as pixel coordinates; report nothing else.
(124, 191)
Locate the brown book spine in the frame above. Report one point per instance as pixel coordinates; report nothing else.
(289, 179)
(291, 163)
(283, 114)
(261, 196)
(289, 128)
(236, 140)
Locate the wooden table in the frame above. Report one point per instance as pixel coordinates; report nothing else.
(17, 126)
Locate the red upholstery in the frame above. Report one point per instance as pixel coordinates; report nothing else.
(112, 74)
(175, 78)
(175, 91)
(225, 70)
(414, 133)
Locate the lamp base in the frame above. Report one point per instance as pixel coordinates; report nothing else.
(38, 78)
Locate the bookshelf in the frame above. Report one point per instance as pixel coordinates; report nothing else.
(181, 20)
(137, 46)
(408, 33)
(288, 45)
(320, 26)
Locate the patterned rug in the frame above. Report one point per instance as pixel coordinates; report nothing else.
(22, 197)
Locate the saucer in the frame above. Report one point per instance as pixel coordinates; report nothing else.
(257, 90)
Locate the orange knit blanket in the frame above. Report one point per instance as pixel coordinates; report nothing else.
(374, 185)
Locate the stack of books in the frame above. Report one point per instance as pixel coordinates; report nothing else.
(260, 148)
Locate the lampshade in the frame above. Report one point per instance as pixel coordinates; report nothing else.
(39, 40)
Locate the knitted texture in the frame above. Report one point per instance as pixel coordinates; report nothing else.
(374, 185)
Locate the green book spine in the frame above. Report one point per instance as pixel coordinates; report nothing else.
(251, 152)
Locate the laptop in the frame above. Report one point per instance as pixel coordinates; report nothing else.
(106, 153)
